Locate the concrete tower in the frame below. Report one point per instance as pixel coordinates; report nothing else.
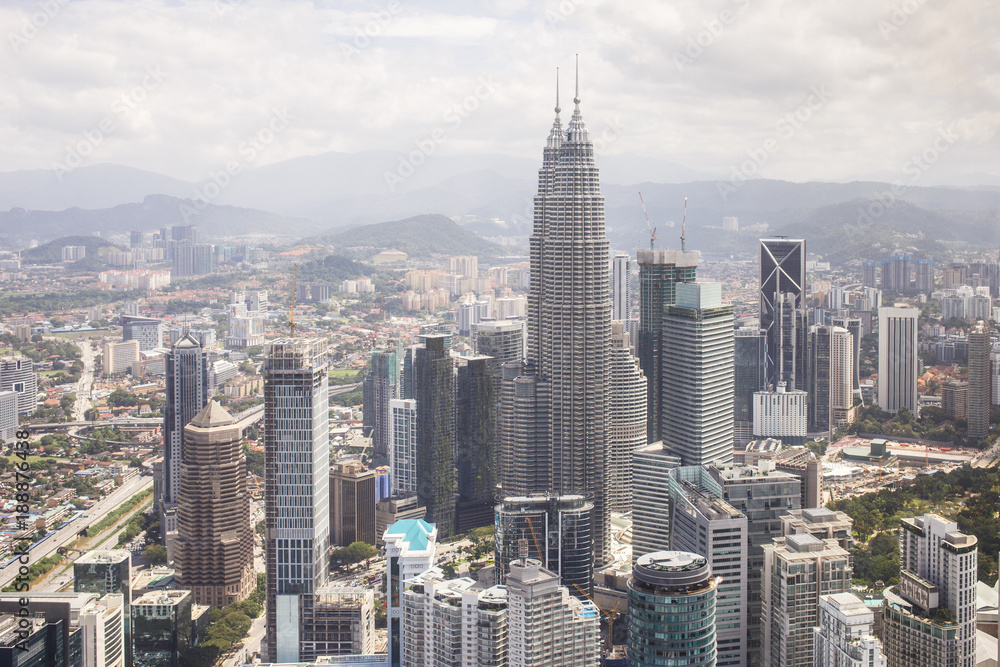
(979, 380)
(897, 359)
(782, 309)
(434, 372)
(621, 287)
(831, 371)
(626, 417)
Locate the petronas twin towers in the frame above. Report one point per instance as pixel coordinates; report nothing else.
(564, 382)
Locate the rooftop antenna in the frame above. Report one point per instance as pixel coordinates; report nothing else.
(652, 230)
(557, 92)
(684, 223)
(576, 99)
(291, 307)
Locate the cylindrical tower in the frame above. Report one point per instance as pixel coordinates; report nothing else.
(671, 611)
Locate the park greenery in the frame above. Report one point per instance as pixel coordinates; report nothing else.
(932, 425)
(37, 569)
(114, 515)
(355, 552)
(227, 627)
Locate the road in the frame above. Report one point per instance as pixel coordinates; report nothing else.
(85, 385)
(69, 532)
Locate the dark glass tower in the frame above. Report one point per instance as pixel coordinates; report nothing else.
(782, 310)
(434, 383)
(477, 444)
(750, 351)
(381, 385)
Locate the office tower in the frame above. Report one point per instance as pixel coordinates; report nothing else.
(621, 287)
(525, 441)
(782, 309)
(659, 273)
(845, 636)
(762, 494)
(454, 623)
(108, 572)
(930, 617)
(341, 621)
(821, 523)
(403, 445)
(147, 330)
(409, 552)
(76, 629)
(626, 417)
(651, 498)
(477, 446)
(17, 374)
(569, 318)
(749, 358)
(503, 340)
(435, 394)
(161, 626)
(798, 569)
(697, 396)
(193, 259)
(869, 274)
(214, 546)
(381, 385)
(546, 625)
(352, 503)
(186, 393)
(297, 482)
(781, 414)
(558, 534)
(853, 326)
(8, 415)
(831, 370)
(979, 380)
(924, 276)
(896, 274)
(135, 238)
(118, 357)
(897, 359)
(709, 526)
(672, 610)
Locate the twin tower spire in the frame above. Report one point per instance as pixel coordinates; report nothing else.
(577, 131)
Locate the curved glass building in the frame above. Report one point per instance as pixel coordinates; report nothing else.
(671, 611)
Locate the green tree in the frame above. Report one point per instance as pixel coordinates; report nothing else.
(156, 554)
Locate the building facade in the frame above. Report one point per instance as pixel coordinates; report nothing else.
(897, 359)
(435, 394)
(477, 442)
(626, 417)
(381, 386)
(17, 374)
(352, 503)
(979, 380)
(651, 498)
(403, 445)
(782, 309)
(749, 362)
(845, 635)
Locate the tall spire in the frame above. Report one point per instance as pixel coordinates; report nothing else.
(556, 135)
(557, 93)
(576, 98)
(577, 130)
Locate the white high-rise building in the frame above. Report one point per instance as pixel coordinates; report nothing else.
(930, 618)
(409, 552)
(706, 525)
(651, 498)
(781, 414)
(546, 626)
(897, 359)
(698, 367)
(297, 478)
(626, 417)
(8, 416)
(17, 374)
(845, 636)
(831, 375)
(453, 622)
(464, 265)
(403, 444)
(621, 287)
(798, 569)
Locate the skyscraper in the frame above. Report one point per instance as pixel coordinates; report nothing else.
(214, 546)
(147, 330)
(17, 374)
(853, 326)
(569, 317)
(434, 372)
(897, 359)
(108, 572)
(697, 396)
(749, 355)
(477, 446)
(651, 498)
(924, 276)
(672, 610)
(659, 273)
(626, 417)
(621, 287)
(381, 385)
(186, 393)
(845, 636)
(296, 475)
(831, 369)
(782, 309)
(930, 618)
(403, 445)
(979, 380)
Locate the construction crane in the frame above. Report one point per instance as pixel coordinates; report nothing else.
(610, 615)
(684, 223)
(291, 306)
(652, 229)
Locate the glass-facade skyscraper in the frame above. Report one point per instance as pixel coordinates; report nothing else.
(782, 310)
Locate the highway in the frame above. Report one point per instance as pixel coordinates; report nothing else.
(69, 532)
(85, 385)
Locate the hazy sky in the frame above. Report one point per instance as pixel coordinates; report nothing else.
(183, 87)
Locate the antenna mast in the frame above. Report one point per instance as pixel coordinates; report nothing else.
(652, 230)
(291, 307)
(684, 223)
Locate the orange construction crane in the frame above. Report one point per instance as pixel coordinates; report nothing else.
(538, 549)
(611, 618)
(684, 223)
(652, 229)
(291, 307)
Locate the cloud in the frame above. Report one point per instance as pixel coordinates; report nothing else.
(382, 74)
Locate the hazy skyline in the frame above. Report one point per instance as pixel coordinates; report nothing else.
(182, 88)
